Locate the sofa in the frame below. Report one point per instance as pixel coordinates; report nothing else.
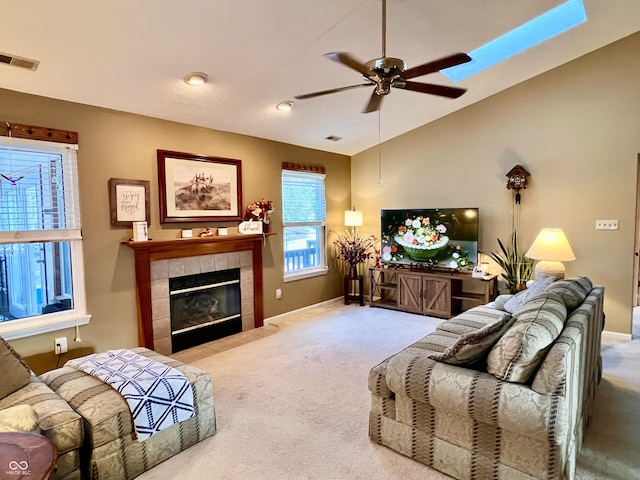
(497, 392)
(91, 424)
(111, 449)
(27, 404)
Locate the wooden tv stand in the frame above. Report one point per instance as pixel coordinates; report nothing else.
(429, 292)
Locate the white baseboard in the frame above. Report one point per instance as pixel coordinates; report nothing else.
(616, 336)
(283, 316)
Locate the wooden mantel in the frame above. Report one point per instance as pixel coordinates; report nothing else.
(147, 251)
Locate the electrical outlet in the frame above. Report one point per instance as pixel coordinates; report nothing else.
(278, 293)
(606, 224)
(60, 346)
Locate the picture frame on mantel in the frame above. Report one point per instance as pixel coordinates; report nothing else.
(129, 201)
(198, 188)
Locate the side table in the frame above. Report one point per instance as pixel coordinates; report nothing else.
(354, 289)
(29, 455)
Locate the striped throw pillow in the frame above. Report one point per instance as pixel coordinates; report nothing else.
(572, 290)
(519, 352)
(478, 330)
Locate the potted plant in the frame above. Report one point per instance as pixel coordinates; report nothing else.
(517, 268)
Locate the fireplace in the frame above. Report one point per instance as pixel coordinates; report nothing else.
(159, 261)
(204, 307)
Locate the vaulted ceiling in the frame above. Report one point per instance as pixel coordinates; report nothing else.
(133, 55)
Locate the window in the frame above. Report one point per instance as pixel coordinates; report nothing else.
(303, 217)
(548, 25)
(41, 268)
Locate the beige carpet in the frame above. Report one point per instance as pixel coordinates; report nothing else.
(294, 405)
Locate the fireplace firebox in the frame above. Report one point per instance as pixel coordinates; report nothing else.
(204, 307)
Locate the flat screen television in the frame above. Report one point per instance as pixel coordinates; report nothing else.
(430, 237)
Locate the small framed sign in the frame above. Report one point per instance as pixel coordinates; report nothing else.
(129, 201)
(250, 228)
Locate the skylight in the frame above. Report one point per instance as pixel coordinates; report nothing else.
(548, 25)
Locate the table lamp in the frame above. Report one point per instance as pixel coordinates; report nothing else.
(552, 248)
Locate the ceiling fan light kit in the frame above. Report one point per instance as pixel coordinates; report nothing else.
(387, 72)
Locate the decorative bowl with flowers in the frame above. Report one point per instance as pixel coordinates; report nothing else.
(421, 239)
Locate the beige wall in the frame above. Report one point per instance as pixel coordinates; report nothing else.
(576, 129)
(119, 145)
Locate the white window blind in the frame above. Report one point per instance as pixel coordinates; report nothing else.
(38, 190)
(303, 197)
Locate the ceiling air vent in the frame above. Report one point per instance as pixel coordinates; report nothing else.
(16, 61)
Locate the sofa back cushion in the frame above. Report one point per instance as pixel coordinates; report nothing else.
(572, 290)
(537, 288)
(15, 373)
(477, 330)
(518, 353)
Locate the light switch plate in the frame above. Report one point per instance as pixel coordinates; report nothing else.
(606, 224)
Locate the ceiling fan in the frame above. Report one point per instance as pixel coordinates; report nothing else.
(386, 72)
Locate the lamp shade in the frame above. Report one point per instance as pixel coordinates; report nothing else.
(353, 218)
(551, 244)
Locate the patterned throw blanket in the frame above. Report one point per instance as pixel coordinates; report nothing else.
(158, 395)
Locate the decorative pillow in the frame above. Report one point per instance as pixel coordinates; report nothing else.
(518, 353)
(15, 373)
(501, 300)
(536, 288)
(472, 320)
(435, 342)
(20, 418)
(573, 291)
(472, 346)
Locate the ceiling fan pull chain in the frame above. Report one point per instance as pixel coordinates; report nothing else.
(384, 28)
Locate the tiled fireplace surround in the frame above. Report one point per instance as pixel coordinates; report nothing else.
(163, 270)
(158, 261)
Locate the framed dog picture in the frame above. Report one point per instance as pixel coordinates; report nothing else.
(198, 188)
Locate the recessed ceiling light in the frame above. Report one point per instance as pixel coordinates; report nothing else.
(196, 78)
(285, 106)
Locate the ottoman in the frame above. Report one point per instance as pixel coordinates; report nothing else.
(111, 449)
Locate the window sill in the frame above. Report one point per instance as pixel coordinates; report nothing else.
(27, 327)
(316, 272)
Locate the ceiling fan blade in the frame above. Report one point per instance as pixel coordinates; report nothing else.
(333, 90)
(436, 65)
(348, 61)
(442, 90)
(375, 101)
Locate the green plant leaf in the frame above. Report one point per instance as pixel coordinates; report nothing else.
(517, 268)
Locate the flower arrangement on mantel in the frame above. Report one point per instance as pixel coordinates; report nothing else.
(353, 250)
(260, 210)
